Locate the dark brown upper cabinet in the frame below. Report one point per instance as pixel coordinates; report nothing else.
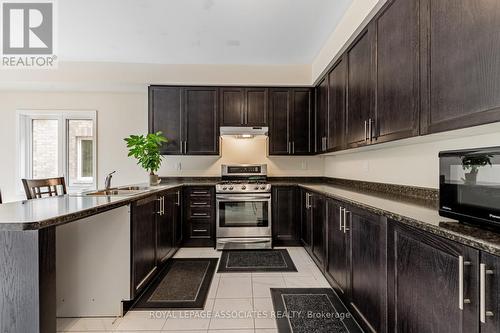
(201, 126)
(360, 95)
(336, 105)
(290, 121)
(397, 86)
(460, 58)
(188, 117)
(322, 116)
(165, 114)
(243, 106)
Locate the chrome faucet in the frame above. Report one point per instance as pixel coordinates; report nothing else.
(107, 182)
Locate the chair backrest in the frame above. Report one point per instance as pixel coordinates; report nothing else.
(38, 188)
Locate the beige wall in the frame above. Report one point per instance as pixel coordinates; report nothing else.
(249, 151)
(409, 162)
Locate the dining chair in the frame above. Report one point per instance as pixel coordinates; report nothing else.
(38, 188)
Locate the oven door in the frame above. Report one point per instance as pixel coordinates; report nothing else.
(244, 215)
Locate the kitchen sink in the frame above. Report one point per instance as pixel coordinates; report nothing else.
(125, 191)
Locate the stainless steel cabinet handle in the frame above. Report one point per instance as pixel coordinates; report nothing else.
(159, 206)
(340, 218)
(200, 230)
(308, 201)
(288, 149)
(199, 203)
(293, 147)
(461, 265)
(200, 192)
(345, 220)
(178, 198)
(200, 214)
(185, 147)
(483, 313)
(162, 205)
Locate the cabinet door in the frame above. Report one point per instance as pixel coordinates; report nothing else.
(256, 106)
(232, 106)
(359, 89)
(460, 63)
(336, 106)
(368, 266)
(337, 268)
(397, 110)
(285, 217)
(143, 241)
(424, 280)
(300, 122)
(491, 311)
(201, 121)
(279, 134)
(306, 221)
(318, 228)
(321, 115)
(164, 228)
(165, 116)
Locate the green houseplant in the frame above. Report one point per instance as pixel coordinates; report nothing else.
(146, 149)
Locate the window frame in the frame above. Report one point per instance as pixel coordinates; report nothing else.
(25, 139)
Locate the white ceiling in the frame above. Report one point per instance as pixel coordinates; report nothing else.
(196, 31)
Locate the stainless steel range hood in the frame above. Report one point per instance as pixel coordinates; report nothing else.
(244, 131)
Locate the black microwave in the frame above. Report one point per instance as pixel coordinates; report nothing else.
(469, 185)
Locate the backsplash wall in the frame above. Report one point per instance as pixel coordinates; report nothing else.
(414, 164)
(248, 151)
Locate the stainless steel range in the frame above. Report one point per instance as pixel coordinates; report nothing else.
(244, 208)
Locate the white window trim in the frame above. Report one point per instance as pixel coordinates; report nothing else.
(79, 178)
(24, 142)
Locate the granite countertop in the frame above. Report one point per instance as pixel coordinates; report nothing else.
(51, 211)
(416, 215)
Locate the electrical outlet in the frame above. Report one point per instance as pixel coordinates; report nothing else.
(304, 165)
(179, 166)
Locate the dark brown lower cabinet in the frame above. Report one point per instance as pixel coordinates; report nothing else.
(143, 219)
(368, 266)
(306, 221)
(489, 316)
(168, 225)
(337, 262)
(285, 219)
(425, 283)
(317, 206)
(199, 216)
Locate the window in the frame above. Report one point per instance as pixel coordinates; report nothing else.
(58, 143)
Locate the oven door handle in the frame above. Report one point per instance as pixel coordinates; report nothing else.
(243, 198)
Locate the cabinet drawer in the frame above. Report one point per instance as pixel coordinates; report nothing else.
(199, 191)
(198, 212)
(200, 202)
(199, 229)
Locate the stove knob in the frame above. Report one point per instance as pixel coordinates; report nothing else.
(231, 188)
(224, 188)
(262, 187)
(256, 187)
(243, 187)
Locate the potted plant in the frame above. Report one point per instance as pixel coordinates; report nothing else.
(146, 149)
(471, 165)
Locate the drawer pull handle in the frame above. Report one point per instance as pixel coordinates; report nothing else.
(200, 192)
(200, 230)
(200, 214)
(461, 299)
(200, 203)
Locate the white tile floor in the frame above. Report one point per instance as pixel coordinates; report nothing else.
(247, 292)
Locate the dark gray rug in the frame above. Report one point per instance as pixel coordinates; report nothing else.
(183, 284)
(306, 310)
(256, 261)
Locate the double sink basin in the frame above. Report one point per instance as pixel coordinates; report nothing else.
(119, 191)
